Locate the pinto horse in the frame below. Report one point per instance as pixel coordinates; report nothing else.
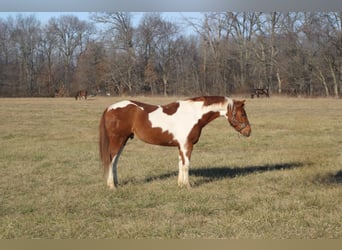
(177, 124)
(81, 94)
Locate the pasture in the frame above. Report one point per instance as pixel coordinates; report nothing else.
(285, 181)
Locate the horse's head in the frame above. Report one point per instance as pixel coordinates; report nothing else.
(237, 117)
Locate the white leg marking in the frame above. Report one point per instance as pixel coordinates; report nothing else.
(183, 174)
(186, 173)
(110, 182)
(180, 171)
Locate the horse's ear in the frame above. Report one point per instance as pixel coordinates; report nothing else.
(240, 103)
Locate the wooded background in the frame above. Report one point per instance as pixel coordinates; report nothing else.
(297, 53)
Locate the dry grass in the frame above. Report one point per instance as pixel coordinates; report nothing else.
(285, 181)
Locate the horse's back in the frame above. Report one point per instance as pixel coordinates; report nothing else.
(120, 104)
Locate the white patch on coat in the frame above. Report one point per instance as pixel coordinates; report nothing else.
(121, 104)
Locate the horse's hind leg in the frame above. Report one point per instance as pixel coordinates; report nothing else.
(117, 145)
(112, 179)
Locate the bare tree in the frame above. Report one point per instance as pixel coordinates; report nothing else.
(49, 51)
(8, 72)
(92, 69)
(156, 39)
(333, 53)
(214, 33)
(119, 32)
(266, 49)
(26, 36)
(184, 72)
(71, 36)
(290, 57)
(244, 26)
(165, 50)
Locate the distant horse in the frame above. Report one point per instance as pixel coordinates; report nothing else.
(176, 124)
(82, 94)
(260, 91)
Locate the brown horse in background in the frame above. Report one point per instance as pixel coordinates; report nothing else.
(82, 94)
(177, 124)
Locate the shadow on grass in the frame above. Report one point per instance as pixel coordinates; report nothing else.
(338, 177)
(211, 174)
(329, 179)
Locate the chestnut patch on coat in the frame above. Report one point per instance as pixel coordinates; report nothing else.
(195, 133)
(171, 108)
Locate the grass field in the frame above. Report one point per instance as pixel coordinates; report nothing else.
(285, 181)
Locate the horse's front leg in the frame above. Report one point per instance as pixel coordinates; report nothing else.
(184, 163)
(180, 171)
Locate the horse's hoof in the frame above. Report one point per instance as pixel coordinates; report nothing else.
(183, 185)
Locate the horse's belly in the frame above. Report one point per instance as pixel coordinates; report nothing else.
(157, 137)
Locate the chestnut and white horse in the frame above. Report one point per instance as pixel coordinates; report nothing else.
(82, 94)
(176, 124)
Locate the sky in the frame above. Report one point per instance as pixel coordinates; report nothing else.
(175, 17)
(120, 5)
(45, 16)
(167, 5)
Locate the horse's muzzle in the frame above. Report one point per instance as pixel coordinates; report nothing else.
(246, 131)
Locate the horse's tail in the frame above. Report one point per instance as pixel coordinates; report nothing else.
(104, 144)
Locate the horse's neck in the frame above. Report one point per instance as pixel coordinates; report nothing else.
(208, 113)
(220, 107)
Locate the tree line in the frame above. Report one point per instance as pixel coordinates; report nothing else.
(296, 53)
